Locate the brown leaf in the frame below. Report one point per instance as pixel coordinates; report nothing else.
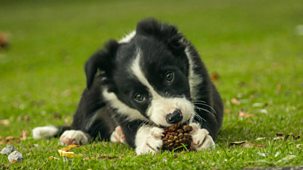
(4, 40)
(9, 140)
(24, 135)
(246, 144)
(243, 114)
(215, 76)
(235, 101)
(282, 136)
(4, 122)
(107, 157)
(236, 143)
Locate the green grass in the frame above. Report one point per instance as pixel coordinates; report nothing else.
(253, 46)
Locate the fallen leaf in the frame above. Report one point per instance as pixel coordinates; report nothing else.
(52, 158)
(235, 101)
(261, 105)
(281, 136)
(67, 154)
(260, 138)
(4, 40)
(264, 111)
(235, 143)
(107, 157)
(261, 154)
(4, 122)
(215, 76)
(24, 135)
(57, 115)
(246, 144)
(243, 114)
(286, 159)
(69, 147)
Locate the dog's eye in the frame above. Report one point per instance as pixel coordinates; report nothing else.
(169, 76)
(140, 98)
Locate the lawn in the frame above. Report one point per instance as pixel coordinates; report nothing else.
(254, 47)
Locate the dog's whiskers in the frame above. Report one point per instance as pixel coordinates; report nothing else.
(202, 109)
(203, 103)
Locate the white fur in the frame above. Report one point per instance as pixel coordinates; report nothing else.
(161, 106)
(74, 137)
(128, 37)
(148, 140)
(201, 138)
(44, 132)
(122, 108)
(194, 79)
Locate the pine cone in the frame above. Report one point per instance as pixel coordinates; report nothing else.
(177, 137)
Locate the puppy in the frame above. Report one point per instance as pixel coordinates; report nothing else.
(151, 79)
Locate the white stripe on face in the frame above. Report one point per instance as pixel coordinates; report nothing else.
(161, 106)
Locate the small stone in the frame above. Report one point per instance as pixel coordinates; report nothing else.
(15, 157)
(7, 150)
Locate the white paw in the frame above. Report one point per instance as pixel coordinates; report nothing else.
(148, 140)
(117, 135)
(44, 132)
(201, 138)
(77, 137)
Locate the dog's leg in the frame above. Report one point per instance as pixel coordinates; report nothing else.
(201, 138)
(44, 132)
(148, 140)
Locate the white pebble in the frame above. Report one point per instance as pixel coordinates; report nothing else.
(15, 157)
(7, 150)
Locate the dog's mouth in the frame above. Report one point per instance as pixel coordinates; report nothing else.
(182, 123)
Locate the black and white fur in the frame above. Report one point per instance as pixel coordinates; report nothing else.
(134, 84)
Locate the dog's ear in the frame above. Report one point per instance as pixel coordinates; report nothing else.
(102, 60)
(164, 32)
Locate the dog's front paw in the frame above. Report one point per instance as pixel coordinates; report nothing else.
(77, 137)
(118, 136)
(148, 140)
(201, 138)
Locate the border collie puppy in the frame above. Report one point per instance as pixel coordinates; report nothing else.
(151, 79)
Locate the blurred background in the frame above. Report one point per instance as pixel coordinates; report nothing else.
(252, 48)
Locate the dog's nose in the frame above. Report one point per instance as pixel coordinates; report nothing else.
(174, 117)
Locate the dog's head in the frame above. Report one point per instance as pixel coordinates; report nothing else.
(145, 75)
